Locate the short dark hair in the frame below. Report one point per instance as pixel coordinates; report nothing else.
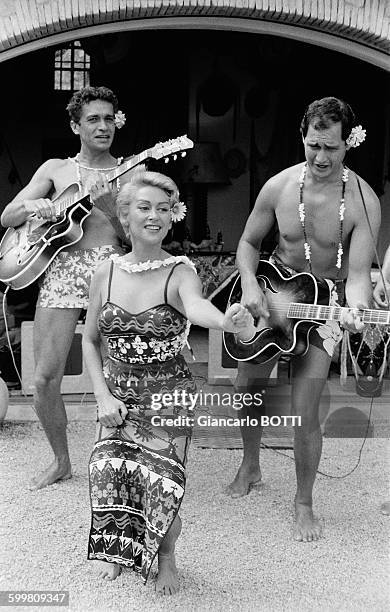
(86, 95)
(322, 113)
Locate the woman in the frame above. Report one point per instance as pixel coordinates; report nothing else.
(141, 306)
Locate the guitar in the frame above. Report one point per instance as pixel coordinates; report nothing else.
(296, 304)
(27, 250)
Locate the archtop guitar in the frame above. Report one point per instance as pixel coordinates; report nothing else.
(27, 250)
(296, 304)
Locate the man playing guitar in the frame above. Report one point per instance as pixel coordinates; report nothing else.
(64, 290)
(322, 229)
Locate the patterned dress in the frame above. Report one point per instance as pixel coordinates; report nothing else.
(137, 470)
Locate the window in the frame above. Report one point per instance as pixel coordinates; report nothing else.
(71, 67)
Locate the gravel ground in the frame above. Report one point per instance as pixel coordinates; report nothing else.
(232, 555)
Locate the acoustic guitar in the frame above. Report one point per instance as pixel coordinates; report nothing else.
(27, 250)
(296, 304)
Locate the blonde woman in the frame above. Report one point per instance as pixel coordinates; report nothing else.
(141, 306)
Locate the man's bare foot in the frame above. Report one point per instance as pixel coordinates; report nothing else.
(385, 508)
(167, 580)
(244, 482)
(307, 528)
(108, 571)
(55, 472)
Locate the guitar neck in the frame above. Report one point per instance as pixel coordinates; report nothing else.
(160, 150)
(128, 165)
(111, 176)
(333, 313)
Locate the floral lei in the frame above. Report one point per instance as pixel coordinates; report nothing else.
(301, 212)
(130, 267)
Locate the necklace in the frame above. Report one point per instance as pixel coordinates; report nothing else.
(301, 212)
(80, 165)
(149, 265)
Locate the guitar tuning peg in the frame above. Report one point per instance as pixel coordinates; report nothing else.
(175, 157)
(184, 153)
(166, 160)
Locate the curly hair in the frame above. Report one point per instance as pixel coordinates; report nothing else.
(140, 177)
(89, 94)
(322, 113)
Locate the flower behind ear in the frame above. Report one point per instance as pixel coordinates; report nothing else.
(119, 119)
(178, 212)
(356, 137)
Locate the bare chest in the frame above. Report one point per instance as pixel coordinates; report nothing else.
(321, 217)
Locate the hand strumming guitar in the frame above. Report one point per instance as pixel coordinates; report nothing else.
(43, 208)
(254, 299)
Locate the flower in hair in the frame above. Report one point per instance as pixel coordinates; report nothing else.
(178, 211)
(356, 137)
(120, 119)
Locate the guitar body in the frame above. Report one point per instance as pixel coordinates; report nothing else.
(26, 251)
(278, 334)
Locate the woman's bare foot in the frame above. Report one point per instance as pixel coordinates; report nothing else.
(167, 580)
(244, 482)
(108, 571)
(307, 528)
(55, 472)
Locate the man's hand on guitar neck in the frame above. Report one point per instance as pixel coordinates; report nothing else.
(42, 208)
(351, 319)
(102, 196)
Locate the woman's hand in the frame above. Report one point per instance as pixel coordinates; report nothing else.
(111, 411)
(238, 319)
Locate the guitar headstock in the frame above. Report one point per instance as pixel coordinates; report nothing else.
(171, 147)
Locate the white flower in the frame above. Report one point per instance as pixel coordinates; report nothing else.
(120, 119)
(301, 211)
(307, 251)
(339, 255)
(178, 211)
(331, 334)
(301, 179)
(345, 175)
(342, 210)
(138, 345)
(356, 137)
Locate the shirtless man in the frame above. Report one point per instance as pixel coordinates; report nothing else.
(382, 299)
(307, 202)
(64, 290)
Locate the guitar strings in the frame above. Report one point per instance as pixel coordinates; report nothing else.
(284, 307)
